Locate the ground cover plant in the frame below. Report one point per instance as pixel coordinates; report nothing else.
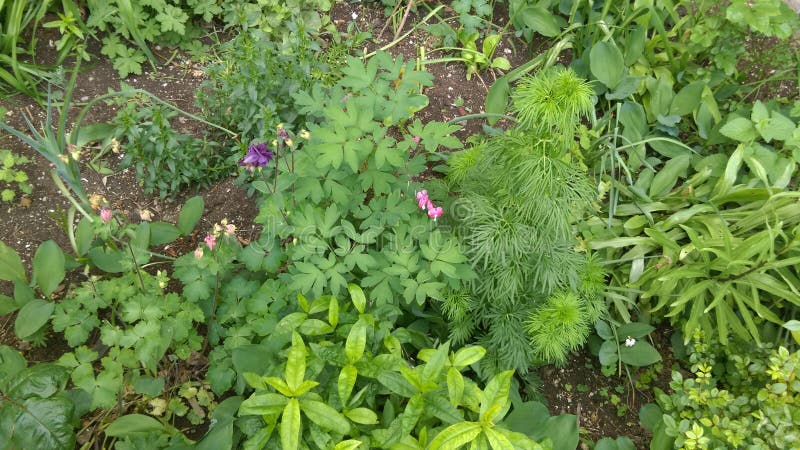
(596, 249)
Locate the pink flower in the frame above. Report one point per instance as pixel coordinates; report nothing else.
(434, 212)
(429, 205)
(211, 241)
(422, 199)
(198, 253)
(230, 229)
(105, 215)
(416, 139)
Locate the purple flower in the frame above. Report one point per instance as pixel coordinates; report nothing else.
(258, 155)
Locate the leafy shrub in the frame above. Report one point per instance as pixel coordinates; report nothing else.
(535, 298)
(166, 160)
(748, 398)
(11, 176)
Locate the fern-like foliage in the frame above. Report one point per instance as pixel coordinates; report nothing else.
(519, 196)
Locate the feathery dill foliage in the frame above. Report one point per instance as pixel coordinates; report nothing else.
(519, 195)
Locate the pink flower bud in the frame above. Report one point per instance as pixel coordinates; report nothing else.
(416, 139)
(105, 215)
(198, 252)
(211, 241)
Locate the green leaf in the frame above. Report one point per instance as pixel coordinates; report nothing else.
(739, 129)
(347, 379)
(539, 20)
(48, 267)
(455, 436)
(650, 416)
(608, 353)
(497, 99)
(190, 214)
(433, 368)
(324, 416)
(468, 355)
(32, 317)
(37, 423)
(356, 341)
(641, 354)
(291, 426)
(263, 404)
(296, 363)
(11, 268)
(163, 233)
(84, 235)
(496, 396)
(350, 444)
(497, 441)
(687, 99)
(11, 363)
(362, 416)
(667, 177)
(110, 261)
(606, 64)
(357, 296)
(635, 330)
(133, 424)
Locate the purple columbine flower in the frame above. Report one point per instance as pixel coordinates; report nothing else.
(258, 155)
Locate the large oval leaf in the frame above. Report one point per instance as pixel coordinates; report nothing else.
(190, 214)
(37, 423)
(48, 267)
(133, 424)
(32, 317)
(606, 64)
(540, 20)
(10, 265)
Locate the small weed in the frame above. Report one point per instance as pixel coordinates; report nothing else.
(11, 175)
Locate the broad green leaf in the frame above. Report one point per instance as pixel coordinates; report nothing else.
(11, 268)
(667, 177)
(455, 386)
(608, 353)
(634, 329)
(132, 425)
(48, 267)
(539, 20)
(497, 99)
(604, 330)
(37, 423)
(263, 404)
(291, 426)
(468, 355)
(650, 416)
(356, 341)
(296, 363)
(84, 235)
(333, 312)
(357, 296)
(456, 436)
(497, 441)
(190, 214)
(739, 129)
(324, 416)
(350, 444)
(11, 363)
(433, 368)
(606, 64)
(687, 99)
(32, 317)
(346, 381)
(640, 354)
(163, 233)
(362, 416)
(496, 396)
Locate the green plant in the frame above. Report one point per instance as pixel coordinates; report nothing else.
(624, 344)
(166, 160)
(36, 410)
(9, 175)
(476, 61)
(22, 15)
(738, 398)
(519, 193)
(368, 395)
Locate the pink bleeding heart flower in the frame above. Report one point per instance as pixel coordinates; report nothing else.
(434, 212)
(422, 199)
(211, 241)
